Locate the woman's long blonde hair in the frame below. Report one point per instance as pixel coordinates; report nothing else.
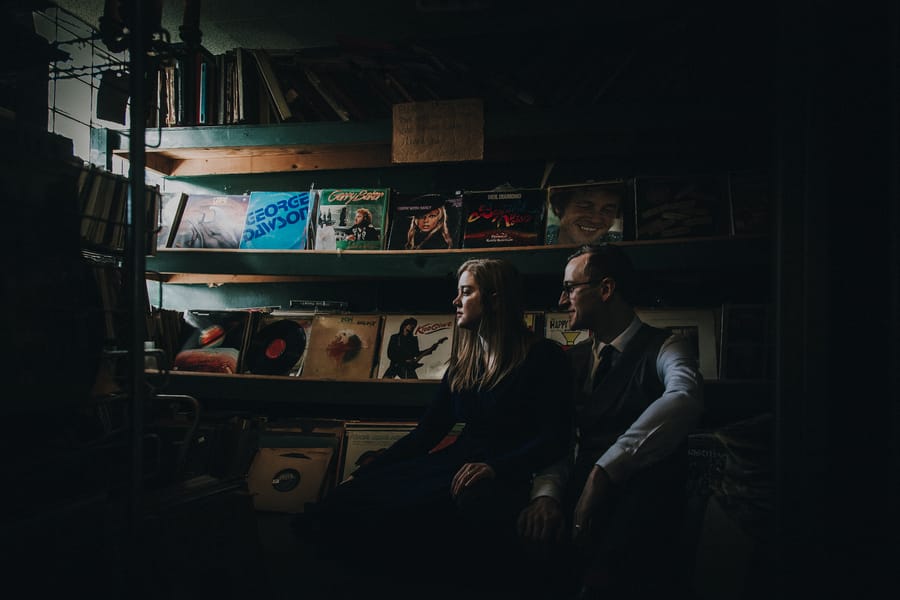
(441, 228)
(484, 356)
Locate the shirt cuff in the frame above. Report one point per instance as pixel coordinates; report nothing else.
(614, 462)
(545, 488)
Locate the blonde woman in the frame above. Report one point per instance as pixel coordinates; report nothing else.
(437, 512)
(428, 230)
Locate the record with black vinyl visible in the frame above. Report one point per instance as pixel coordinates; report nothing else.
(276, 348)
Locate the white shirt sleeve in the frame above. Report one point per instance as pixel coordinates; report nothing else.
(667, 421)
(551, 480)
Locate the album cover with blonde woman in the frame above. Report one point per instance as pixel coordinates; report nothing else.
(425, 221)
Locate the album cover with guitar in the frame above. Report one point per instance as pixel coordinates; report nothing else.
(415, 346)
(342, 346)
(213, 341)
(278, 343)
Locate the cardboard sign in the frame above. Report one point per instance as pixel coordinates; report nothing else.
(438, 131)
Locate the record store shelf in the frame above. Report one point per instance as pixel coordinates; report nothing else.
(725, 401)
(236, 266)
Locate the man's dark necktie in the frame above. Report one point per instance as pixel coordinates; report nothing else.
(606, 359)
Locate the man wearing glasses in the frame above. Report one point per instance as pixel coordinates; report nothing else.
(639, 395)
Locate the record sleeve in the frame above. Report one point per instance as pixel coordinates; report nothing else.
(342, 346)
(351, 218)
(533, 320)
(276, 221)
(679, 207)
(501, 218)
(287, 479)
(278, 345)
(210, 221)
(171, 206)
(425, 221)
(589, 213)
(213, 341)
(363, 441)
(415, 346)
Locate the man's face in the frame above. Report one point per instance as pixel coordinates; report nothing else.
(360, 218)
(408, 329)
(588, 216)
(584, 303)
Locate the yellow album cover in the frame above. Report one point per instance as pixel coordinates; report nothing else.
(342, 346)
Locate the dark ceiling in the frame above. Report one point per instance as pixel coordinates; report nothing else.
(611, 51)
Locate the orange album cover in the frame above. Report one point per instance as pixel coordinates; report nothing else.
(212, 341)
(342, 346)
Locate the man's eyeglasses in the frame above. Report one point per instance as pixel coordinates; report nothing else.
(568, 286)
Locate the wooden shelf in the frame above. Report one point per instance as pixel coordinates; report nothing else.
(248, 266)
(272, 389)
(726, 401)
(293, 147)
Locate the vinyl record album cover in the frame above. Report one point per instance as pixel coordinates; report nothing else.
(415, 346)
(365, 440)
(286, 479)
(501, 218)
(342, 346)
(171, 205)
(679, 207)
(351, 218)
(212, 341)
(212, 221)
(278, 343)
(276, 221)
(425, 221)
(588, 213)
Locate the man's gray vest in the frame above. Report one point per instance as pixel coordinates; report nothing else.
(629, 387)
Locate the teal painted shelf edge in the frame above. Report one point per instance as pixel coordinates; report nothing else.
(705, 254)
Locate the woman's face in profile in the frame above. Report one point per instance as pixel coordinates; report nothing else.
(429, 220)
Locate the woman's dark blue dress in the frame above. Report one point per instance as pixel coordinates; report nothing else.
(400, 507)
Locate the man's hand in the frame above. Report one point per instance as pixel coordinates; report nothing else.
(593, 497)
(542, 521)
(468, 474)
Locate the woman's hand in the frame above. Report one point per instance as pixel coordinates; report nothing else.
(468, 474)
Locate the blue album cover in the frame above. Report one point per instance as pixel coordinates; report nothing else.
(276, 221)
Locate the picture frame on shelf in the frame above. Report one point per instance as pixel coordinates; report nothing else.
(673, 207)
(697, 324)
